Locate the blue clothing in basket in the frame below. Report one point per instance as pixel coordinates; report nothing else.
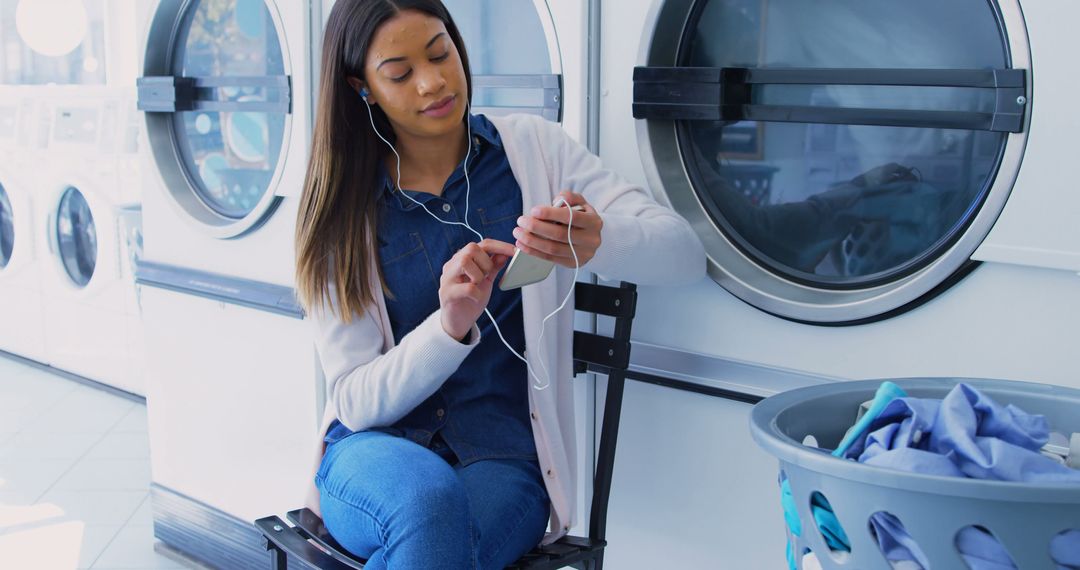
(967, 434)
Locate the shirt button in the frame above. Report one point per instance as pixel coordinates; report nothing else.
(446, 208)
(440, 412)
(534, 416)
(551, 473)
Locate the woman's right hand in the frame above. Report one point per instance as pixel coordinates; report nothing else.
(466, 282)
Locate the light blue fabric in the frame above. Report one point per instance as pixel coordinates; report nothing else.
(828, 524)
(895, 543)
(1065, 549)
(885, 394)
(826, 520)
(967, 434)
(791, 515)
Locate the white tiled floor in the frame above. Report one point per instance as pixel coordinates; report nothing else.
(74, 476)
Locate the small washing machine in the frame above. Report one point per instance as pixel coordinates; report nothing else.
(20, 266)
(20, 277)
(89, 199)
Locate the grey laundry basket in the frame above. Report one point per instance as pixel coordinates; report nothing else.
(1024, 517)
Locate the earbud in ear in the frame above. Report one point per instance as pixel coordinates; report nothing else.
(364, 94)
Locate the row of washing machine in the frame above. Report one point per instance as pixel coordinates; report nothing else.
(878, 186)
(70, 230)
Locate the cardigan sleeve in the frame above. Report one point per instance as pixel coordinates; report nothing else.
(368, 387)
(641, 240)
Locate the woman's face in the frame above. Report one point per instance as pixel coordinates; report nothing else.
(415, 75)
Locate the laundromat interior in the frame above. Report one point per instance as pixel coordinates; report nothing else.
(875, 364)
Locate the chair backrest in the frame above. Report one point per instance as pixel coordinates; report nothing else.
(609, 355)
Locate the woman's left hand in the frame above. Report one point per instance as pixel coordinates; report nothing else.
(543, 233)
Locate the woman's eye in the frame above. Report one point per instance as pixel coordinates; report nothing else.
(441, 57)
(401, 78)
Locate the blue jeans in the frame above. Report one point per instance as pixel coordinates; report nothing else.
(403, 506)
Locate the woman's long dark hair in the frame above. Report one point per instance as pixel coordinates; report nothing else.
(335, 228)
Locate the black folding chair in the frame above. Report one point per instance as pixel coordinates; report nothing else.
(309, 542)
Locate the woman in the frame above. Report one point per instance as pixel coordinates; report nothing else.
(438, 453)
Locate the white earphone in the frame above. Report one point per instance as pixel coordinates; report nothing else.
(465, 164)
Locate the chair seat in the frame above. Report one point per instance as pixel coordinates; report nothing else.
(564, 552)
(311, 526)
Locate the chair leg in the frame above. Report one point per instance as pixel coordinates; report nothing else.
(594, 563)
(279, 559)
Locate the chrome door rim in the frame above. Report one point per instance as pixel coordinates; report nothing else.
(659, 145)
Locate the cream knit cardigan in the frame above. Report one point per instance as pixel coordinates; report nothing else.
(373, 382)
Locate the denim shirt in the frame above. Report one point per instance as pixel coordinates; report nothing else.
(482, 410)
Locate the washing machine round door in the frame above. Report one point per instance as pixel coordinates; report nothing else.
(522, 78)
(76, 237)
(841, 160)
(7, 228)
(218, 104)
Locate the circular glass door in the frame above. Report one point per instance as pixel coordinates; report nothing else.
(230, 155)
(7, 228)
(841, 151)
(524, 79)
(76, 237)
(218, 103)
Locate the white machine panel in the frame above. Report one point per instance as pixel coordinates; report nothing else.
(1038, 226)
(239, 438)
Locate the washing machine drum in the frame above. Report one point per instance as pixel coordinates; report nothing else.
(844, 154)
(7, 228)
(76, 237)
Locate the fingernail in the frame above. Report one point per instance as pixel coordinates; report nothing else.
(517, 232)
(521, 221)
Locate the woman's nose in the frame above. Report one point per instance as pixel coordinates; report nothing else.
(431, 81)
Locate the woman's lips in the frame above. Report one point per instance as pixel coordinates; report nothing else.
(442, 108)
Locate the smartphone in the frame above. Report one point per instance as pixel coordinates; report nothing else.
(525, 269)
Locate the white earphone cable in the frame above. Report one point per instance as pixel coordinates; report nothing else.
(468, 187)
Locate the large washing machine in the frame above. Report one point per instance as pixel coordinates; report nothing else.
(231, 382)
(878, 188)
(87, 188)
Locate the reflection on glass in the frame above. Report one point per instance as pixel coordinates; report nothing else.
(503, 37)
(7, 228)
(844, 205)
(76, 237)
(231, 155)
(22, 65)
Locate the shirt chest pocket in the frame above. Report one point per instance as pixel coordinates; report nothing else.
(411, 280)
(500, 219)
